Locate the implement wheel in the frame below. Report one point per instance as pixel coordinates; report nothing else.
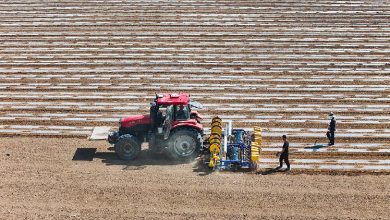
(127, 147)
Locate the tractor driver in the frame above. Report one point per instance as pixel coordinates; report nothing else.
(181, 113)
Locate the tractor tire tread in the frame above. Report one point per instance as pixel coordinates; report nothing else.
(127, 138)
(192, 132)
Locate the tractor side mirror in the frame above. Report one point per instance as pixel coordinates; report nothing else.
(195, 104)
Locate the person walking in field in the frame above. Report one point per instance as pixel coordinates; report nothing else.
(331, 129)
(283, 155)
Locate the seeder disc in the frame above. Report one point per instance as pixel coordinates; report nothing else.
(215, 148)
(214, 139)
(216, 129)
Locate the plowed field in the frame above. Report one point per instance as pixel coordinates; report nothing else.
(68, 66)
(40, 181)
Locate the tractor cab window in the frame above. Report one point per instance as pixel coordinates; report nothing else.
(167, 124)
(169, 112)
(182, 112)
(166, 111)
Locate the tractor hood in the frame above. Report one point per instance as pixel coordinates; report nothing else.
(136, 120)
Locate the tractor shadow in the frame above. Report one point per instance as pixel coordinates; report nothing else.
(144, 159)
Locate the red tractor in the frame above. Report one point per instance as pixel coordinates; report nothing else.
(171, 127)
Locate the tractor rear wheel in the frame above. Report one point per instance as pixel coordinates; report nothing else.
(184, 144)
(128, 147)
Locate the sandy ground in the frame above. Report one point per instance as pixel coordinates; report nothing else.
(39, 180)
(334, 54)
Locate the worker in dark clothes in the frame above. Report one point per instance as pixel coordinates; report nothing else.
(153, 111)
(331, 129)
(181, 114)
(283, 155)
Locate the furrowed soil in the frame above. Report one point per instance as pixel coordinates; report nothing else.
(39, 180)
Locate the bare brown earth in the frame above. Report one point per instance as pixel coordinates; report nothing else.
(39, 180)
(288, 63)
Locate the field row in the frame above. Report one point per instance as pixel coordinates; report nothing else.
(308, 134)
(69, 66)
(166, 74)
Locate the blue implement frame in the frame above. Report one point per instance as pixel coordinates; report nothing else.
(238, 152)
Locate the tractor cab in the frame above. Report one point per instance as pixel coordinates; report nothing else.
(174, 109)
(171, 126)
(169, 106)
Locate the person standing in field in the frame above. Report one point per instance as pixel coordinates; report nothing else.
(283, 155)
(331, 129)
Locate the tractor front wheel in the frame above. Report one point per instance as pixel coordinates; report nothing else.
(127, 147)
(184, 144)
